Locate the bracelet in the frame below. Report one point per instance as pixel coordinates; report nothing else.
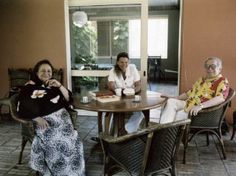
(59, 86)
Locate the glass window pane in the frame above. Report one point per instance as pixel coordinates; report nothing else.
(158, 37)
(134, 39)
(82, 84)
(95, 44)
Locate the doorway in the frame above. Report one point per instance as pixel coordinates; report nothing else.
(111, 27)
(163, 46)
(93, 47)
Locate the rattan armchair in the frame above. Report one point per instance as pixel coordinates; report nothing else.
(27, 127)
(208, 121)
(145, 152)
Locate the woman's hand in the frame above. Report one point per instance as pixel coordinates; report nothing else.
(166, 96)
(41, 123)
(53, 83)
(195, 109)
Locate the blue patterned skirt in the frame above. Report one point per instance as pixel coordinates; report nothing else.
(58, 150)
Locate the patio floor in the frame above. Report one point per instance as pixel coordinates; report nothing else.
(202, 160)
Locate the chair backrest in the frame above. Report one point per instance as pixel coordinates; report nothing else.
(150, 150)
(17, 78)
(58, 75)
(164, 146)
(212, 117)
(103, 83)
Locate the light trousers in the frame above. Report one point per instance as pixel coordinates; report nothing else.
(173, 111)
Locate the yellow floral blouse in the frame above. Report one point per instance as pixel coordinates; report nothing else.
(205, 89)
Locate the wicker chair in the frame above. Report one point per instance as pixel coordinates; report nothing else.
(234, 125)
(17, 79)
(27, 130)
(145, 152)
(207, 121)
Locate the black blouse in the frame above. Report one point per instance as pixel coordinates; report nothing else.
(37, 101)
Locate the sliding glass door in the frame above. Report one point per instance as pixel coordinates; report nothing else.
(98, 32)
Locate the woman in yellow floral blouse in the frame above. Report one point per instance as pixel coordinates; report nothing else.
(207, 91)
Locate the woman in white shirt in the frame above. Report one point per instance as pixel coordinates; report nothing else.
(125, 75)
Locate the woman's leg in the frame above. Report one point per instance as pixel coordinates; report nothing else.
(172, 107)
(134, 121)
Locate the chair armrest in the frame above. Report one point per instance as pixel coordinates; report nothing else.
(112, 139)
(73, 115)
(152, 126)
(5, 101)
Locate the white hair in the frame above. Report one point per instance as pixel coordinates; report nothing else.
(217, 59)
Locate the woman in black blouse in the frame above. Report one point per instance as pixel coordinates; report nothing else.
(56, 148)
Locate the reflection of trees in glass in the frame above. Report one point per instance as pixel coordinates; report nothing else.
(84, 43)
(120, 37)
(85, 50)
(84, 83)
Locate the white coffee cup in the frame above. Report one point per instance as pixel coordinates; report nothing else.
(118, 91)
(85, 99)
(137, 98)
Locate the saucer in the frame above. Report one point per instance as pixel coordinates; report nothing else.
(136, 101)
(84, 102)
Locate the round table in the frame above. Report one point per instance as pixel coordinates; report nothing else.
(149, 100)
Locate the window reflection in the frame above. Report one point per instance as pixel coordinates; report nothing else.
(94, 46)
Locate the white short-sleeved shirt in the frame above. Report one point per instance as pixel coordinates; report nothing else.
(131, 74)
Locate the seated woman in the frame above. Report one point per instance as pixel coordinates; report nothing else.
(56, 148)
(122, 76)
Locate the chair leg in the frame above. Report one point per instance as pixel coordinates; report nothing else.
(185, 143)
(23, 143)
(173, 171)
(38, 173)
(219, 137)
(207, 138)
(234, 125)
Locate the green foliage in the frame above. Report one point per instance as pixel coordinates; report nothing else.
(120, 37)
(84, 44)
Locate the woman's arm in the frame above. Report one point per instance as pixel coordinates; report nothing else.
(209, 103)
(137, 86)
(64, 91)
(111, 86)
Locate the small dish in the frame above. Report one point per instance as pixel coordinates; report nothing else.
(81, 101)
(136, 101)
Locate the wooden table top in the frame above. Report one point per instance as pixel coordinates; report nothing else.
(149, 100)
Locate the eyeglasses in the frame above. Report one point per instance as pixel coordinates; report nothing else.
(212, 66)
